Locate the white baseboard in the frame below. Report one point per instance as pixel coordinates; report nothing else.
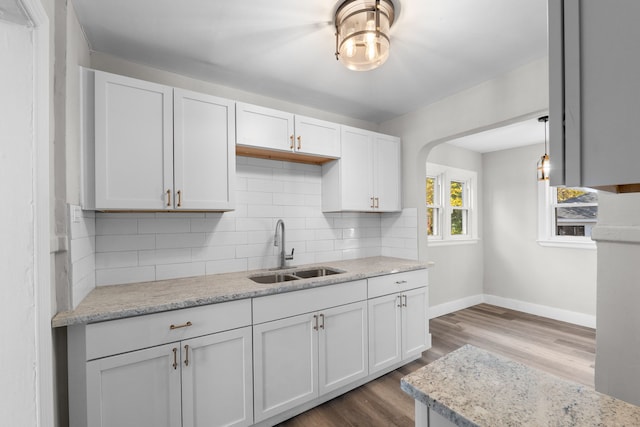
(451, 306)
(568, 316)
(526, 307)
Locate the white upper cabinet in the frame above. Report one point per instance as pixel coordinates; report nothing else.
(367, 176)
(152, 147)
(594, 98)
(204, 151)
(133, 142)
(262, 130)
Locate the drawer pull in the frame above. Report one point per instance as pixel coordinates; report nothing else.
(404, 304)
(175, 358)
(184, 325)
(401, 282)
(322, 324)
(399, 301)
(315, 319)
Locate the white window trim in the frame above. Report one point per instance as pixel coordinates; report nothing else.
(546, 235)
(444, 175)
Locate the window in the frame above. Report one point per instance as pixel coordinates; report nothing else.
(450, 194)
(566, 216)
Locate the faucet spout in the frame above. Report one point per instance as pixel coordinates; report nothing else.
(281, 236)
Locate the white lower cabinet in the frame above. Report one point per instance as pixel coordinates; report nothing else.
(300, 358)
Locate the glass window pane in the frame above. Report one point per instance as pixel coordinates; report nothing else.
(432, 222)
(576, 195)
(576, 221)
(458, 222)
(457, 194)
(431, 182)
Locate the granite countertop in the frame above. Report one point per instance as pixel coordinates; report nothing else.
(120, 301)
(473, 387)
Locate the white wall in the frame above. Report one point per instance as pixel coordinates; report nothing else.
(18, 356)
(515, 265)
(458, 269)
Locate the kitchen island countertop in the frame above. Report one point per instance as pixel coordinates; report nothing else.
(120, 301)
(473, 387)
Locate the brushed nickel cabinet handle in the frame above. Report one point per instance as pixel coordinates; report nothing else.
(322, 324)
(400, 282)
(372, 204)
(292, 144)
(377, 202)
(404, 304)
(184, 325)
(179, 193)
(315, 319)
(186, 355)
(399, 298)
(175, 358)
(299, 142)
(168, 197)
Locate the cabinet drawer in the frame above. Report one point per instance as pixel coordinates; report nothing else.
(289, 304)
(119, 336)
(398, 282)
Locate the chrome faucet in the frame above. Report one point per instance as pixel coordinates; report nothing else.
(283, 257)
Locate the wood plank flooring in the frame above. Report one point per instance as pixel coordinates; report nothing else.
(559, 348)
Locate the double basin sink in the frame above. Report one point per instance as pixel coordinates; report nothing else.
(286, 275)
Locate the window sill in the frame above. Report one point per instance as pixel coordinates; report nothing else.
(452, 242)
(589, 245)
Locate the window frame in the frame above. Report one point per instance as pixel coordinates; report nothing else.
(547, 196)
(444, 175)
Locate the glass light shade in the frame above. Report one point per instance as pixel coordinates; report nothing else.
(362, 33)
(543, 168)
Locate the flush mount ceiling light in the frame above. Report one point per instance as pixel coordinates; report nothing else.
(362, 33)
(543, 163)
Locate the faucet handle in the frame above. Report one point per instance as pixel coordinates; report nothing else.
(290, 257)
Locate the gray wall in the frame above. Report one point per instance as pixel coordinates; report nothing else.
(515, 265)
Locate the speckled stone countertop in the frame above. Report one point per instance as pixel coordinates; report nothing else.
(473, 387)
(119, 301)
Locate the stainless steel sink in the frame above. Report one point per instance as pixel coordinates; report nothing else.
(316, 272)
(287, 276)
(274, 278)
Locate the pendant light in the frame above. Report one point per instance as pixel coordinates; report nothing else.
(362, 33)
(543, 163)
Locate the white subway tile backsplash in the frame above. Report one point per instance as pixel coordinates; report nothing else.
(175, 271)
(82, 247)
(115, 243)
(164, 225)
(164, 256)
(133, 247)
(180, 240)
(106, 260)
(117, 276)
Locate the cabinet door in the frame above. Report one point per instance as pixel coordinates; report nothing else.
(264, 128)
(387, 173)
(133, 143)
(343, 346)
(204, 151)
(136, 389)
(385, 334)
(356, 169)
(285, 367)
(317, 137)
(415, 325)
(217, 386)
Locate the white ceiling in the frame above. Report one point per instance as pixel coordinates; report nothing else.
(285, 48)
(515, 135)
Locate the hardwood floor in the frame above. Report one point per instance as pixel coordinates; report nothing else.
(560, 348)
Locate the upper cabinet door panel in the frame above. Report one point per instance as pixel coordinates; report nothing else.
(204, 145)
(133, 143)
(317, 137)
(357, 170)
(387, 160)
(264, 127)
